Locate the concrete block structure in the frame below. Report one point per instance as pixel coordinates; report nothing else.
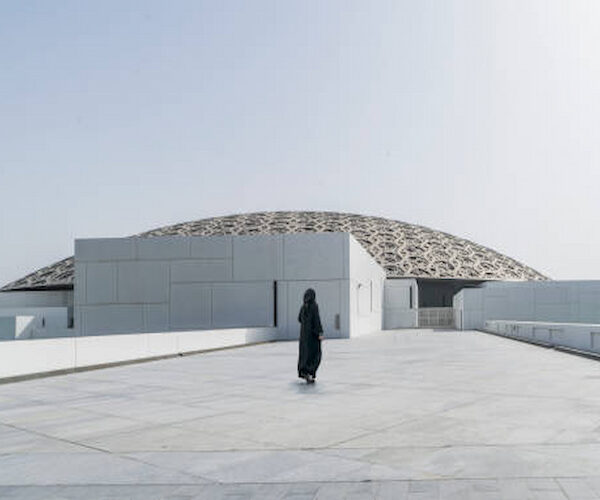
(174, 283)
(545, 301)
(400, 304)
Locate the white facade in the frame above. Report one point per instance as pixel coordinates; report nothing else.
(132, 285)
(42, 298)
(14, 326)
(41, 322)
(545, 301)
(48, 314)
(401, 304)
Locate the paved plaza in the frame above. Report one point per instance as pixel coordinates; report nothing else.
(395, 415)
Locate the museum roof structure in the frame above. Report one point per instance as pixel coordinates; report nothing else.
(403, 250)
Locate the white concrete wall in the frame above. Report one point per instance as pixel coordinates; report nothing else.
(44, 322)
(7, 327)
(546, 301)
(14, 327)
(318, 261)
(398, 309)
(173, 283)
(182, 283)
(20, 358)
(49, 298)
(367, 279)
(52, 310)
(579, 336)
(334, 265)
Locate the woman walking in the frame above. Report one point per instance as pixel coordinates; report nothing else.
(311, 334)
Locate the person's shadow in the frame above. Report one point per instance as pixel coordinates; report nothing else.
(301, 387)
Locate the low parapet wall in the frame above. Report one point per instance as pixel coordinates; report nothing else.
(575, 336)
(21, 358)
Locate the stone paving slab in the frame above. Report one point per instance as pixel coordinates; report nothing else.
(395, 415)
(502, 489)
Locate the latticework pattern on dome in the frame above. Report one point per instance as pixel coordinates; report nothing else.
(55, 276)
(403, 250)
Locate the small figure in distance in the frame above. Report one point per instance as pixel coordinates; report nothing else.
(311, 334)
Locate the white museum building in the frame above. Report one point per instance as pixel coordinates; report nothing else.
(240, 279)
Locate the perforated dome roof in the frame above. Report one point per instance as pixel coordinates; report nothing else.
(402, 249)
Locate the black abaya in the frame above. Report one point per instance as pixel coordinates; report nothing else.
(309, 356)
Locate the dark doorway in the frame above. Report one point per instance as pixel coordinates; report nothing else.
(439, 293)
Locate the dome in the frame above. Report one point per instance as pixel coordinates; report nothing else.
(403, 250)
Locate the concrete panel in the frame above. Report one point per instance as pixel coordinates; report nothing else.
(495, 302)
(25, 357)
(364, 298)
(397, 297)
(541, 334)
(595, 340)
(47, 298)
(282, 308)
(80, 283)
(52, 333)
(101, 320)
(101, 283)
(262, 335)
(362, 266)
(589, 306)
(161, 344)
(314, 256)
(142, 282)
(472, 298)
(472, 319)
(190, 306)
(587, 315)
(39, 356)
(201, 271)
(555, 301)
(43, 321)
(156, 317)
(400, 318)
(164, 247)
(24, 327)
(575, 338)
(366, 279)
(521, 302)
(7, 327)
(571, 335)
(212, 247)
(209, 339)
(110, 349)
(377, 295)
(96, 249)
(243, 305)
(397, 310)
(550, 294)
(550, 313)
(257, 258)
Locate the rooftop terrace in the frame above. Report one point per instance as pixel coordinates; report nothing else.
(396, 415)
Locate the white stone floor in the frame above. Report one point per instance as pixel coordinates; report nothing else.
(395, 415)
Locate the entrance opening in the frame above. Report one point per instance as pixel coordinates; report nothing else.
(435, 301)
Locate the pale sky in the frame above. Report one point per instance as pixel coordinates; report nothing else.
(478, 118)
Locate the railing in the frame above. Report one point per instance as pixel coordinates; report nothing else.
(575, 336)
(436, 317)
